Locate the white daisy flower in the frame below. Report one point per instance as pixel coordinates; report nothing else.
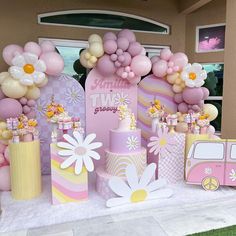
(121, 99)
(132, 143)
(79, 151)
(208, 171)
(232, 175)
(41, 107)
(193, 75)
(73, 95)
(137, 190)
(28, 69)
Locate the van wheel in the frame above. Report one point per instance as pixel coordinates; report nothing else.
(210, 183)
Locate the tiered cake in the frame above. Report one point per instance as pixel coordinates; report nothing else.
(124, 149)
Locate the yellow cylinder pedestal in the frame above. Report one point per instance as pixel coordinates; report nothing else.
(25, 170)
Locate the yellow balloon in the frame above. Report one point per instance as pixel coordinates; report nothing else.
(45, 81)
(3, 76)
(182, 127)
(96, 49)
(94, 38)
(84, 62)
(177, 88)
(182, 84)
(33, 93)
(3, 125)
(211, 110)
(13, 88)
(87, 54)
(93, 59)
(6, 134)
(178, 81)
(172, 78)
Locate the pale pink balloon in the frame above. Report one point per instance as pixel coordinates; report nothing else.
(170, 64)
(131, 74)
(183, 107)
(127, 69)
(159, 68)
(23, 100)
(178, 98)
(26, 109)
(141, 65)
(31, 103)
(117, 64)
(108, 36)
(126, 33)
(192, 96)
(113, 57)
(47, 46)
(176, 68)
(33, 47)
(196, 108)
(123, 43)
(105, 66)
(14, 108)
(110, 46)
(211, 130)
(120, 71)
(154, 59)
(135, 48)
(143, 52)
(165, 54)
(134, 80)
(169, 71)
(54, 63)
(119, 52)
(179, 59)
(124, 75)
(31, 114)
(5, 182)
(127, 60)
(10, 51)
(205, 92)
(121, 58)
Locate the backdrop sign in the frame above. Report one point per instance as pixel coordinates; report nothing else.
(68, 92)
(103, 96)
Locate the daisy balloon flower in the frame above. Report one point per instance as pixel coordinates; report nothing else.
(137, 190)
(79, 151)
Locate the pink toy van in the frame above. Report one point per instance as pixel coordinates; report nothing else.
(211, 163)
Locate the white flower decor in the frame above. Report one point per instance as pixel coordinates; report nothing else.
(73, 95)
(193, 75)
(79, 151)
(132, 143)
(232, 175)
(28, 69)
(121, 99)
(137, 190)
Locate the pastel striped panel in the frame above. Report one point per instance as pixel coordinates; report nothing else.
(149, 88)
(66, 185)
(117, 163)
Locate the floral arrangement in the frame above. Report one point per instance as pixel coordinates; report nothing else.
(54, 111)
(156, 109)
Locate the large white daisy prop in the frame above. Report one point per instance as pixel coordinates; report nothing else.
(79, 151)
(137, 190)
(28, 69)
(121, 99)
(193, 75)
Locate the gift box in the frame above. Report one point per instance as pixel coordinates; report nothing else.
(66, 185)
(170, 165)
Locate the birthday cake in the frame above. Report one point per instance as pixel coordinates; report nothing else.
(124, 149)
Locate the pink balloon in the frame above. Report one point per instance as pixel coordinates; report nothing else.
(120, 71)
(14, 108)
(141, 65)
(121, 58)
(108, 36)
(123, 43)
(196, 108)
(54, 63)
(124, 75)
(47, 46)
(33, 47)
(117, 64)
(26, 109)
(2, 95)
(205, 92)
(183, 107)
(192, 96)
(113, 57)
(127, 60)
(131, 75)
(119, 52)
(7, 154)
(169, 71)
(143, 52)
(10, 51)
(31, 103)
(2, 147)
(155, 59)
(31, 114)
(178, 98)
(105, 66)
(134, 80)
(176, 68)
(159, 68)
(170, 64)
(5, 182)
(110, 46)
(165, 54)
(179, 59)
(135, 49)
(126, 33)
(23, 101)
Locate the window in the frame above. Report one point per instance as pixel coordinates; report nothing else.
(190, 152)
(209, 151)
(101, 19)
(214, 83)
(233, 151)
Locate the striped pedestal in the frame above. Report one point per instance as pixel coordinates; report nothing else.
(66, 185)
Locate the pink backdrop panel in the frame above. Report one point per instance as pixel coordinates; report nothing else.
(102, 100)
(149, 88)
(70, 94)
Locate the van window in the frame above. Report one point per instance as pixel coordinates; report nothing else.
(233, 151)
(209, 151)
(190, 151)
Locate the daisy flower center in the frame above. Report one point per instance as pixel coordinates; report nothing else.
(192, 75)
(28, 68)
(138, 195)
(162, 142)
(80, 151)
